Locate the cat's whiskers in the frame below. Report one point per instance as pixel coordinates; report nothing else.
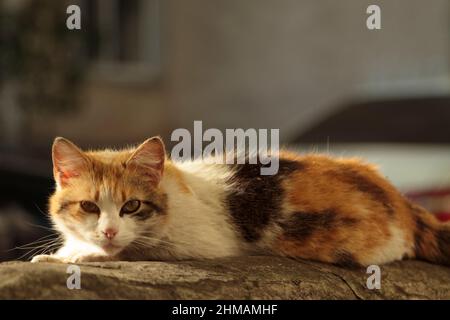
(45, 215)
(50, 245)
(153, 245)
(156, 241)
(50, 248)
(40, 240)
(45, 245)
(41, 250)
(142, 247)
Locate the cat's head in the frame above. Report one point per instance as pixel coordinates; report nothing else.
(108, 199)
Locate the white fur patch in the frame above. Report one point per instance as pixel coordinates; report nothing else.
(198, 223)
(394, 249)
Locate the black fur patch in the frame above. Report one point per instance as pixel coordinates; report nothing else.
(302, 225)
(421, 228)
(422, 248)
(347, 260)
(255, 200)
(350, 176)
(437, 251)
(439, 235)
(443, 242)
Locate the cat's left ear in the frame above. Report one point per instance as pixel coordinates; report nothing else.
(149, 159)
(68, 161)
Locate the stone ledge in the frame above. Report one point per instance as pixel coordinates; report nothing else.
(254, 277)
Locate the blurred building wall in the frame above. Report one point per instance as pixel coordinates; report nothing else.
(260, 63)
(110, 114)
(285, 64)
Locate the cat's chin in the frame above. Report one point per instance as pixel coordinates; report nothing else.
(111, 249)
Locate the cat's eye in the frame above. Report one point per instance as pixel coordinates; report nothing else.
(130, 207)
(89, 207)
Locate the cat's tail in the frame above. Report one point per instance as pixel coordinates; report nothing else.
(431, 237)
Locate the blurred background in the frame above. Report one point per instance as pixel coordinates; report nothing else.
(139, 68)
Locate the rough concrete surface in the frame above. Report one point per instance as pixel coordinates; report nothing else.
(254, 277)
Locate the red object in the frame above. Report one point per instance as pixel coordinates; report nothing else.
(443, 216)
(437, 201)
(430, 193)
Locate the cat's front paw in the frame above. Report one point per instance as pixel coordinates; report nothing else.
(46, 258)
(76, 258)
(89, 258)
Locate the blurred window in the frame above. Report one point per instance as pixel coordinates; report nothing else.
(123, 37)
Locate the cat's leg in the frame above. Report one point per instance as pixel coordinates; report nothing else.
(54, 257)
(74, 252)
(75, 258)
(46, 258)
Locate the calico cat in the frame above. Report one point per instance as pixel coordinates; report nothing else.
(136, 204)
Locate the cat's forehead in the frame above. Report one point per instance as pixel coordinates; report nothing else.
(108, 169)
(110, 157)
(107, 177)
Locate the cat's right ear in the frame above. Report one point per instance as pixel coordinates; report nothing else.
(68, 161)
(149, 159)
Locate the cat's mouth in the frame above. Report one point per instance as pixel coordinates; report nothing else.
(111, 248)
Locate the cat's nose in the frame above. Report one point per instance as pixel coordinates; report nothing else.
(110, 233)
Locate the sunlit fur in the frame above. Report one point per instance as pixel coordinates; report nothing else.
(338, 211)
